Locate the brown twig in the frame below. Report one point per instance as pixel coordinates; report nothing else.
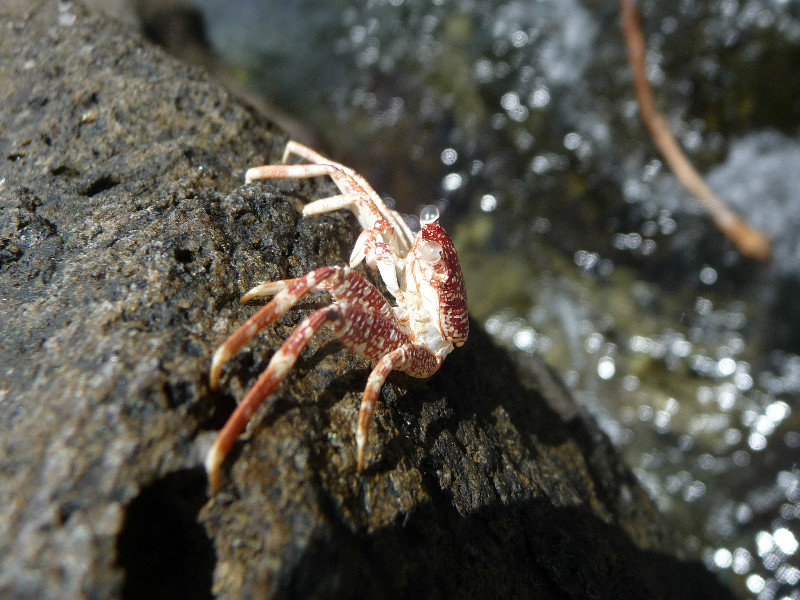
(748, 240)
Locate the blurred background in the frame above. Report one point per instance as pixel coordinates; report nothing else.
(518, 119)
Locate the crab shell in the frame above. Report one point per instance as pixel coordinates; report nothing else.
(435, 274)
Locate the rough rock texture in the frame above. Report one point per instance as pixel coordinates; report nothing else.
(126, 239)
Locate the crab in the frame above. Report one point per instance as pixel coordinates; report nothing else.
(421, 272)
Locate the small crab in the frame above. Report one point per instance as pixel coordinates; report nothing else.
(421, 271)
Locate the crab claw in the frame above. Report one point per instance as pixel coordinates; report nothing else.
(378, 255)
(359, 252)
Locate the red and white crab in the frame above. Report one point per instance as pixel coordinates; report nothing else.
(421, 271)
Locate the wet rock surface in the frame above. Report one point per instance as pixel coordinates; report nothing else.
(126, 239)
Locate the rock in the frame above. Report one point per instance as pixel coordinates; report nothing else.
(126, 239)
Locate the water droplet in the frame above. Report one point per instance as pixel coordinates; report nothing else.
(756, 441)
(428, 214)
(452, 181)
(449, 156)
(723, 558)
(606, 368)
(708, 275)
(488, 203)
(785, 540)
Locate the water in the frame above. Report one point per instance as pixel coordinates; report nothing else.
(517, 120)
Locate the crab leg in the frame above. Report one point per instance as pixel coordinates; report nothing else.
(368, 333)
(374, 384)
(305, 171)
(343, 284)
(367, 205)
(417, 361)
(365, 202)
(269, 288)
(323, 205)
(281, 362)
(282, 302)
(302, 151)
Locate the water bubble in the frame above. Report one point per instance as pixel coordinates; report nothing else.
(741, 458)
(452, 181)
(742, 561)
(539, 98)
(792, 439)
(630, 383)
(525, 338)
(661, 420)
(757, 442)
(726, 366)
(788, 574)
(638, 343)
(668, 226)
(732, 436)
(771, 561)
(572, 141)
(743, 381)
(593, 343)
(510, 101)
(703, 306)
(488, 203)
(708, 275)
(777, 411)
(541, 225)
(706, 462)
(428, 214)
(606, 368)
(649, 228)
(519, 39)
(723, 558)
(755, 583)
(764, 543)
(449, 156)
(694, 491)
(785, 540)
(498, 121)
(788, 512)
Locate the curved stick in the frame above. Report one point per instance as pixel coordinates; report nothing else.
(748, 240)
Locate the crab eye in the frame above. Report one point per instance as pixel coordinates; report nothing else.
(431, 252)
(428, 214)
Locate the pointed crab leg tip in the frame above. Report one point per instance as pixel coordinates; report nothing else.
(356, 258)
(212, 464)
(213, 375)
(360, 443)
(221, 356)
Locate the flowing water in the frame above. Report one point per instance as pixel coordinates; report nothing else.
(517, 118)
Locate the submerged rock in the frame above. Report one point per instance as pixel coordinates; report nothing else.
(126, 239)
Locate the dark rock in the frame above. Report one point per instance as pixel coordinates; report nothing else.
(126, 239)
